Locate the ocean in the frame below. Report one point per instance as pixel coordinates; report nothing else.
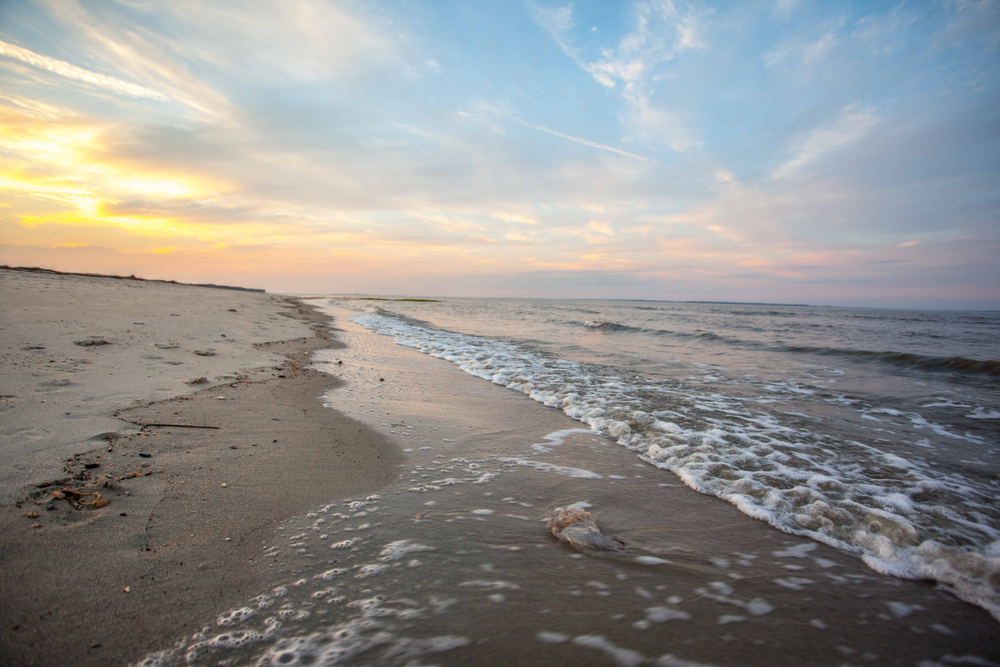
(873, 434)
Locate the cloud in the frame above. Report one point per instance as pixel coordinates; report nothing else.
(662, 30)
(585, 142)
(487, 115)
(558, 21)
(785, 7)
(308, 135)
(75, 73)
(852, 124)
(801, 52)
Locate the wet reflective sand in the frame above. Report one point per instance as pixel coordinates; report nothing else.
(453, 563)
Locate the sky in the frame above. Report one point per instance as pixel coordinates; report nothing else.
(788, 151)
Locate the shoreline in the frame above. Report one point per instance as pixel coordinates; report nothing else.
(453, 560)
(229, 545)
(180, 540)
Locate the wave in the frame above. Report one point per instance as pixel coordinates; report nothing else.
(909, 360)
(988, 367)
(609, 326)
(905, 517)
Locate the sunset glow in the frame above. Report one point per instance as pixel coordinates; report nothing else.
(827, 153)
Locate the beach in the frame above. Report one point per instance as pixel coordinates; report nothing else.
(378, 505)
(180, 541)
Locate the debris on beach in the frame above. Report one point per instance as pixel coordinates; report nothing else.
(75, 497)
(578, 528)
(205, 353)
(91, 342)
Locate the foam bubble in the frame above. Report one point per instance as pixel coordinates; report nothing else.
(370, 570)
(346, 544)
(236, 616)
(662, 614)
(621, 656)
(401, 549)
(651, 560)
(847, 494)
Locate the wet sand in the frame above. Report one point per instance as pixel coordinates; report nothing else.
(180, 539)
(305, 578)
(452, 564)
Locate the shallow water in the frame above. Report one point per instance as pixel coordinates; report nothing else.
(872, 431)
(453, 564)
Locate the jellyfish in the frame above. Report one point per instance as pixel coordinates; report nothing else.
(578, 528)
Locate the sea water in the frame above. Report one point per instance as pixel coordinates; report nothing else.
(872, 433)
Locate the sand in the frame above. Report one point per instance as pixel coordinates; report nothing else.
(229, 514)
(182, 541)
(722, 589)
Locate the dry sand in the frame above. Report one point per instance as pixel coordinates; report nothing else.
(180, 541)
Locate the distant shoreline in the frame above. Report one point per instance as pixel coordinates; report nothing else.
(37, 269)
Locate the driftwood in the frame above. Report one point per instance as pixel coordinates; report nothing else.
(180, 425)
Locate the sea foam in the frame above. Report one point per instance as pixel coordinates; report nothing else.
(903, 517)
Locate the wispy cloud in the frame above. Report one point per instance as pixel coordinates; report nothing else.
(666, 154)
(802, 51)
(784, 7)
(579, 140)
(75, 73)
(852, 124)
(662, 29)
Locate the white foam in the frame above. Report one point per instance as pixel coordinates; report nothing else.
(491, 585)
(651, 560)
(401, 549)
(331, 574)
(370, 570)
(346, 544)
(662, 614)
(904, 516)
(621, 656)
(579, 473)
(236, 616)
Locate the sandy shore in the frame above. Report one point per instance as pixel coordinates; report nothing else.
(452, 565)
(90, 364)
(225, 545)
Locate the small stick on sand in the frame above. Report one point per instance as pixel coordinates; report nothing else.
(180, 425)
